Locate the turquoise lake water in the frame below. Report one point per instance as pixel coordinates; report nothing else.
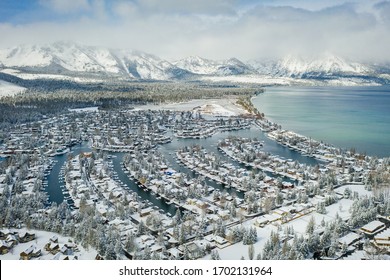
(346, 117)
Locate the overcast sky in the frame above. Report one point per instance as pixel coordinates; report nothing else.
(217, 29)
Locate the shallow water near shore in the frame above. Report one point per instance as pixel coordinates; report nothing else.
(346, 117)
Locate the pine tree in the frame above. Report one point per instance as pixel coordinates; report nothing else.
(253, 235)
(141, 228)
(118, 249)
(177, 217)
(182, 235)
(251, 252)
(311, 225)
(110, 252)
(320, 208)
(156, 256)
(147, 253)
(344, 248)
(215, 255)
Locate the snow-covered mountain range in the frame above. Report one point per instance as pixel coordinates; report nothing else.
(64, 59)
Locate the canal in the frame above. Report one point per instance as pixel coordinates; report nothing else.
(55, 180)
(142, 194)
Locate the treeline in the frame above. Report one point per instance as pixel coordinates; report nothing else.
(52, 96)
(52, 85)
(246, 103)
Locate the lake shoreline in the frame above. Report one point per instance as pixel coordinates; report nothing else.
(348, 118)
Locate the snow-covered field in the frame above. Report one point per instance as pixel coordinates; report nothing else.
(287, 81)
(41, 239)
(221, 107)
(252, 79)
(8, 89)
(31, 76)
(360, 189)
(86, 109)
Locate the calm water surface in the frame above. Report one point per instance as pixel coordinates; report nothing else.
(346, 117)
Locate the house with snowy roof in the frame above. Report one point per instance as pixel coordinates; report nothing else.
(12, 240)
(175, 253)
(261, 221)
(30, 252)
(52, 247)
(5, 233)
(4, 247)
(382, 240)
(192, 249)
(350, 238)
(372, 228)
(26, 237)
(65, 250)
(54, 239)
(220, 242)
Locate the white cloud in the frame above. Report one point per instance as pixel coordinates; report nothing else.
(99, 10)
(220, 29)
(66, 6)
(124, 8)
(190, 6)
(384, 11)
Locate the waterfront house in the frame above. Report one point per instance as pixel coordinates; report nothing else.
(145, 212)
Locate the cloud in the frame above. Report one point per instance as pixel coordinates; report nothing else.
(217, 29)
(384, 11)
(124, 8)
(189, 6)
(65, 6)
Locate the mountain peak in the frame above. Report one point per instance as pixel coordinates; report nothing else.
(197, 65)
(327, 63)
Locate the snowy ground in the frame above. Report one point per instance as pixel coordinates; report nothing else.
(86, 109)
(251, 79)
(221, 107)
(8, 89)
(41, 239)
(30, 76)
(286, 81)
(360, 189)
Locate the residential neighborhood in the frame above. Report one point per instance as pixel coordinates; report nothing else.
(144, 184)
